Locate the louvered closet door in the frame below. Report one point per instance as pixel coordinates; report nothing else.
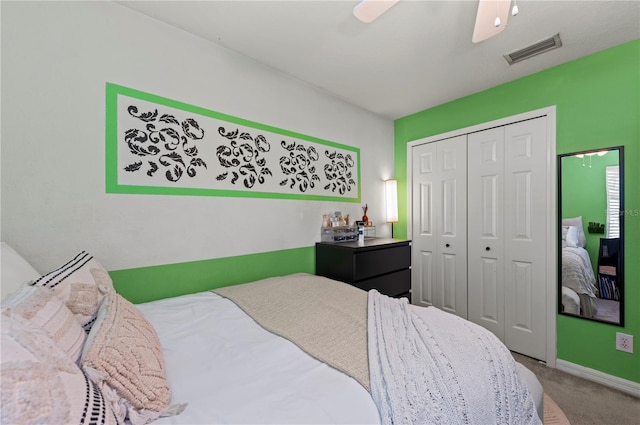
(485, 231)
(439, 225)
(525, 226)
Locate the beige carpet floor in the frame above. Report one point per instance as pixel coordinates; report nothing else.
(582, 401)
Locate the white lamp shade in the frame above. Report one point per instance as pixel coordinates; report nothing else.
(391, 200)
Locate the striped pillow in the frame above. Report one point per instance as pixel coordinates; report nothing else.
(80, 283)
(44, 310)
(40, 384)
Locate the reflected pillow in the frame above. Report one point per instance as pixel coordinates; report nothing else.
(577, 222)
(572, 237)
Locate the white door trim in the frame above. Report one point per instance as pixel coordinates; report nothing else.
(550, 113)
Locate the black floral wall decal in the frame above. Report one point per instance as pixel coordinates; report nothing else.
(158, 145)
(338, 172)
(170, 142)
(298, 164)
(243, 157)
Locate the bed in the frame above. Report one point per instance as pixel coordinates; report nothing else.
(579, 290)
(289, 349)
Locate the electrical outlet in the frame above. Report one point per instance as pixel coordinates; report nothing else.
(624, 342)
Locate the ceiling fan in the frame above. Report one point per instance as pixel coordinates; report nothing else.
(491, 18)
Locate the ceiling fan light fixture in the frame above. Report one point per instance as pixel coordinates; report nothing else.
(369, 10)
(491, 19)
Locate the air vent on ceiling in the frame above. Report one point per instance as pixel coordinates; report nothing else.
(535, 49)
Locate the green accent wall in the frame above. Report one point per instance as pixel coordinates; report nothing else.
(146, 284)
(598, 105)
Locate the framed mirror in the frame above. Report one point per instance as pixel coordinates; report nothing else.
(591, 235)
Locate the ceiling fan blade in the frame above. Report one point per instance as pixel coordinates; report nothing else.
(488, 10)
(370, 10)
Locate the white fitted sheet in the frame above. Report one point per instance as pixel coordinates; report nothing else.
(230, 370)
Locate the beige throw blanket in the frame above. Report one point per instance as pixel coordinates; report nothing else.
(293, 306)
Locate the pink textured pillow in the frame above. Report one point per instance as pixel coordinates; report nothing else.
(40, 384)
(44, 310)
(80, 283)
(123, 353)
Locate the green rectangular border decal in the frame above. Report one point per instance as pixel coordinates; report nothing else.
(156, 145)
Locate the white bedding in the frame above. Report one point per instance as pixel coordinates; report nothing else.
(213, 349)
(577, 275)
(577, 272)
(570, 301)
(230, 370)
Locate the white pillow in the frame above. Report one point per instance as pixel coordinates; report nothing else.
(16, 271)
(572, 237)
(577, 222)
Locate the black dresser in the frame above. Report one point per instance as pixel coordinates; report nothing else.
(382, 264)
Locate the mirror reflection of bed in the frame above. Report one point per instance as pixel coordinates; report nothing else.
(590, 235)
(581, 294)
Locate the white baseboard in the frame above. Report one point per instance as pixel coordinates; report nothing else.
(623, 385)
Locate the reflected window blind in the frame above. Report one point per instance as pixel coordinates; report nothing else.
(613, 202)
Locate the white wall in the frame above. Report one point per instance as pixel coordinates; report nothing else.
(56, 59)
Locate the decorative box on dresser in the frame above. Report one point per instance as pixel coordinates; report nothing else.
(379, 263)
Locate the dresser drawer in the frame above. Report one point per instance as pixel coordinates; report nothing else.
(381, 261)
(382, 264)
(392, 284)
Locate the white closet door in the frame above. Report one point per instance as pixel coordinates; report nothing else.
(525, 227)
(424, 238)
(485, 231)
(439, 220)
(452, 212)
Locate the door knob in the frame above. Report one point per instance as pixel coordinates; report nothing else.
(488, 249)
(447, 245)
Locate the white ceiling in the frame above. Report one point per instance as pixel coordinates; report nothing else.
(417, 55)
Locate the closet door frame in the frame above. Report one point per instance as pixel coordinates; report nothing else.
(551, 245)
